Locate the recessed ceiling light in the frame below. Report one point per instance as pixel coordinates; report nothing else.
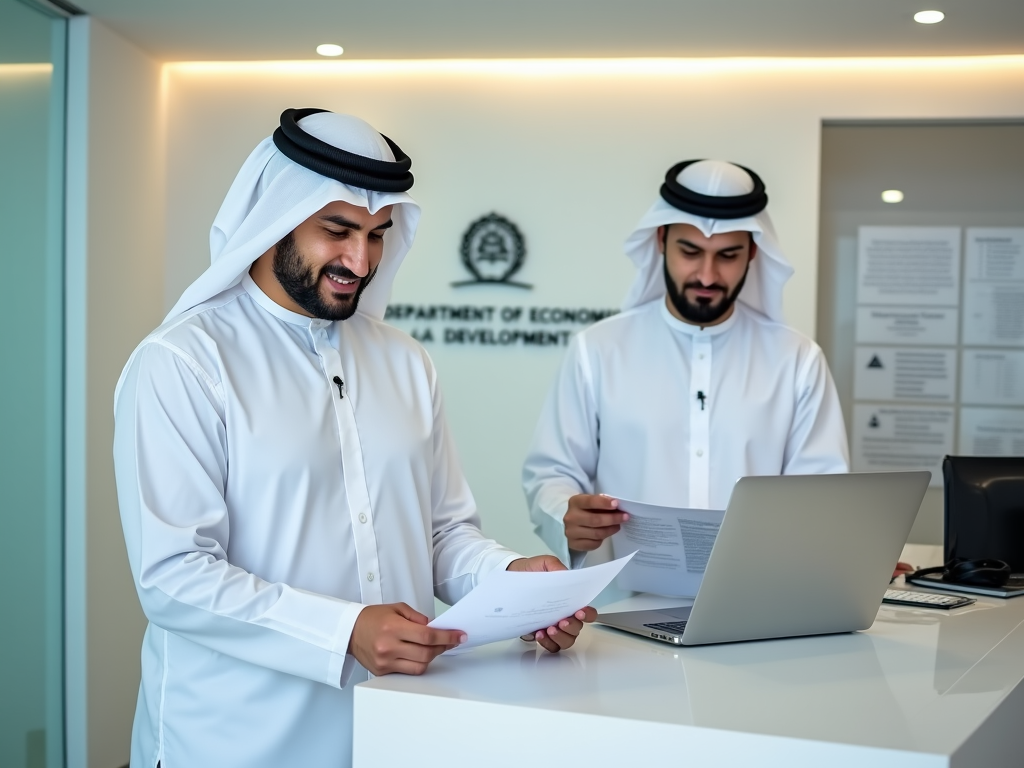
(330, 49)
(929, 17)
(892, 196)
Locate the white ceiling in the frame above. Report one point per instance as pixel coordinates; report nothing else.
(196, 30)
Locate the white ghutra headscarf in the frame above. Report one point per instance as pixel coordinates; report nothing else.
(272, 195)
(769, 271)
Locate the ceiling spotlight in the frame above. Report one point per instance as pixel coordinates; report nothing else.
(330, 49)
(892, 196)
(929, 17)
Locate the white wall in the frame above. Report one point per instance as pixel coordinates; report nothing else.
(574, 153)
(115, 210)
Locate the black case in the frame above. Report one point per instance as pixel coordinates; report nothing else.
(985, 508)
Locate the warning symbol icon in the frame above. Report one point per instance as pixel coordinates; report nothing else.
(875, 362)
(874, 423)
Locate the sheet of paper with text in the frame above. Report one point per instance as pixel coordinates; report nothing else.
(672, 547)
(507, 604)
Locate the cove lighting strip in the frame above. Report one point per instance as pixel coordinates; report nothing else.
(13, 70)
(599, 67)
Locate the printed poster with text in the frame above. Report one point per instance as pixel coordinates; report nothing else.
(902, 437)
(906, 355)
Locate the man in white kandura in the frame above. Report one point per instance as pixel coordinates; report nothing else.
(289, 491)
(698, 382)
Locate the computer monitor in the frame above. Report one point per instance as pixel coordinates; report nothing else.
(984, 509)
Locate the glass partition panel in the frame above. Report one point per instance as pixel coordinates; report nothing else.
(32, 47)
(921, 292)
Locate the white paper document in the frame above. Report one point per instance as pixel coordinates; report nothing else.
(992, 431)
(992, 377)
(672, 547)
(507, 604)
(907, 325)
(924, 374)
(908, 266)
(994, 287)
(901, 437)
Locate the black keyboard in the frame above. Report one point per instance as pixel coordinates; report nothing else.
(676, 627)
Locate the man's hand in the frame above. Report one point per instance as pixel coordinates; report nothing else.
(554, 638)
(902, 569)
(590, 519)
(395, 638)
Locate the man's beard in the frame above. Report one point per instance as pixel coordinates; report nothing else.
(703, 312)
(299, 282)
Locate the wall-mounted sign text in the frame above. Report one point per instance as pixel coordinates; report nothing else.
(491, 325)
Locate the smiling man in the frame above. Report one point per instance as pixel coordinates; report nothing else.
(698, 382)
(309, 279)
(290, 495)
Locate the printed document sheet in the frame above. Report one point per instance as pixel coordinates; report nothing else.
(672, 547)
(994, 287)
(507, 604)
(899, 437)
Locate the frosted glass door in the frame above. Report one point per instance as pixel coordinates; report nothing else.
(31, 386)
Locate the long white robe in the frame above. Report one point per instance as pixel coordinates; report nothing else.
(262, 511)
(624, 418)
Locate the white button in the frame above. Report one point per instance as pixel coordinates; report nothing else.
(369, 576)
(362, 518)
(700, 451)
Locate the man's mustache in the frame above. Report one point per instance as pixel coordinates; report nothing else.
(701, 286)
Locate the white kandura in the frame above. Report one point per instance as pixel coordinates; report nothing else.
(277, 473)
(650, 408)
(770, 408)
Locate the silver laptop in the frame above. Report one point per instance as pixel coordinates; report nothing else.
(796, 555)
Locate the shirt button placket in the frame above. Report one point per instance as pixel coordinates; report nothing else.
(365, 541)
(700, 421)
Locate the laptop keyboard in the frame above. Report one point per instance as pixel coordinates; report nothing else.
(668, 626)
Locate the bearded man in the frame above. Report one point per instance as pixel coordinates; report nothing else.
(289, 492)
(698, 382)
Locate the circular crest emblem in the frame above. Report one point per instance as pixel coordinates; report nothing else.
(493, 250)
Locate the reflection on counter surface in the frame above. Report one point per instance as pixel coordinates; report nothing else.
(917, 681)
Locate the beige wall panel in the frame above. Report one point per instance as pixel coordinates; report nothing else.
(124, 259)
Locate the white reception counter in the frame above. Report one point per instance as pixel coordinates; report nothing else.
(919, 688)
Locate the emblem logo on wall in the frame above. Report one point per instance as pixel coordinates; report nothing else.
(493, 250)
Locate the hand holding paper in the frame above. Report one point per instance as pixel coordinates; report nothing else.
(394, 638)
(562, 636)
(671, 544)
(510, 604)
(590, 519)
